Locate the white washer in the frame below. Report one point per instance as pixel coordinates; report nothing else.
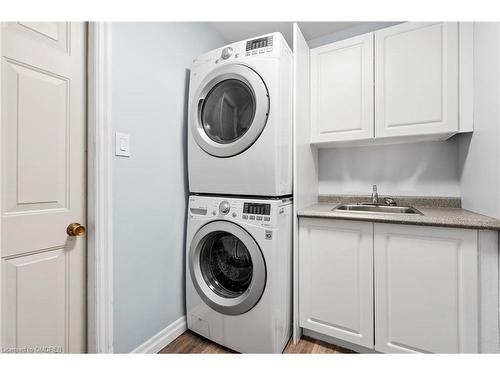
(239, 272)
(240, 119)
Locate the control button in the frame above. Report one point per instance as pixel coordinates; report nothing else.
(214, 212)
(217, 61)
(224, 207)
(262, 50)
(270, 49)
(267, 218)
(237, 55)
(251, 217)
(254, 52)
(245, 217)
(226, 53)
(247, 54)
(234, 214)
(259, 218)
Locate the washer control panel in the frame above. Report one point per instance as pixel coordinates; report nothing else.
(257, 208)
(255, 212)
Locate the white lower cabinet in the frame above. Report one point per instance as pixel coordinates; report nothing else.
(426, 289)
(399, 288)
(336, 279)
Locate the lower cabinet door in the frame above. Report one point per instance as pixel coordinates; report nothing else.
(336, 279)
(426, 289)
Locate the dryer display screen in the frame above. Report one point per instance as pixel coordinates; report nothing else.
(257, 208)
(259, 43)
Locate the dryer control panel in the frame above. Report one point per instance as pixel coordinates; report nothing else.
(265, 46)
(264, 42)
(259, 45)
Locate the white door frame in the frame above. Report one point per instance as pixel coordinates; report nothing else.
(99, 193)
(1, 184)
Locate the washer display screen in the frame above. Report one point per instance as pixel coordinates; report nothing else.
(257, 208)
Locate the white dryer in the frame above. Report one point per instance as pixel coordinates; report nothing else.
(239, 272)
(240, 119)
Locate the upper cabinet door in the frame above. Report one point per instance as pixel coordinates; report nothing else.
(342, 90)
(416, 79)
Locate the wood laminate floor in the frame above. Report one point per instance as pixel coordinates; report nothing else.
(191, 343)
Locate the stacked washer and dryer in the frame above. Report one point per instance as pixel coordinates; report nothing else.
(239, 231)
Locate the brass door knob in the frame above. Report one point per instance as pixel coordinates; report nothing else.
(75, 229)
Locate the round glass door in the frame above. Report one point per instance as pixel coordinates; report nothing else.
(229, 111)
(227, 267)
(226, 264)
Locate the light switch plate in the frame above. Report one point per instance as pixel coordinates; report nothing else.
(122, 144)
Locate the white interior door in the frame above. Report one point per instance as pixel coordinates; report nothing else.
(43, 170)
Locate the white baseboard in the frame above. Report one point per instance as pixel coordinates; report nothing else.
(163, 338)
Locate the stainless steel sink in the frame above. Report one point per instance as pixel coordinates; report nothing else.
(377, 208)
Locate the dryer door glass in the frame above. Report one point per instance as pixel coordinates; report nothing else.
(226, 264)
(228, 111)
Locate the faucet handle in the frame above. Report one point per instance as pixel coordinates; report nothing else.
(389, 201)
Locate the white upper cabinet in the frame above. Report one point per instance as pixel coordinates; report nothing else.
(416, 79)
(342, 90)
(412, 81)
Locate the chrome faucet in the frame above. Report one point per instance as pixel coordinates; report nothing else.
(387, 201)
(374, 195)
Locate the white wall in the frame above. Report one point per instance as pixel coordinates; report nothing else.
(427, 169)
(480, 153)
(150, 80)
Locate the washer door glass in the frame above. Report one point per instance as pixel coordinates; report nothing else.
(227, 267)
(228, 111)
(226, 264)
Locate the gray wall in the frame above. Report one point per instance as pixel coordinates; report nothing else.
(349, 32)
(480, 152)
(150, 83)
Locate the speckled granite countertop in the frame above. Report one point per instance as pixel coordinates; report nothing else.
(444, 212)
